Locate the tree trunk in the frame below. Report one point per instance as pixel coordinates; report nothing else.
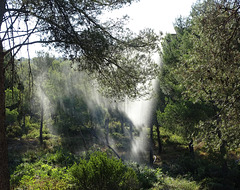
(24, 124)
(191, 149)
(151, 146)
(131, 131)
(107, 130)
(159, 140)
(41, 126)
(122, 126)
(4, 174)
(83, 139)
(223, 151)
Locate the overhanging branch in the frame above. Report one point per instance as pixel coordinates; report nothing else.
(18, 10)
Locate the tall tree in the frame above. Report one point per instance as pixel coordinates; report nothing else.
(179, 113)
(210, 70)
(121, 61)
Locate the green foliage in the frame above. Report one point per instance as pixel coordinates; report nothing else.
(12, 96)
(106, 50)
(199, 74)
(31, 129)
(206, 171)
(101, 172)
(177, 113)
(59, 169)
(209, 71)
(171, 183)
(182, 117)
(169, 137)
(60, 158)
(69, 104)
(147, 176)
(11, 116)
(14, 131)
(30, 124)
(114, 126)
(12, 113)
(42, 170)
(39, 176)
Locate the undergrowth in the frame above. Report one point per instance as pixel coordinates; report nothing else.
(57, 168)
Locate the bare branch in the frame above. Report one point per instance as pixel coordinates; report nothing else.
(22, 35)
(21, 10)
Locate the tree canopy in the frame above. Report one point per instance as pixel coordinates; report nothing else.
(201, 71)
(210, 69)
(106, 50)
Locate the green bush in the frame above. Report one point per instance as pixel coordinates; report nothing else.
(171, 183)
(39, 176)
(147, 176)
(13, 128)
(31, 124)
(11, 116)
(14, 131)
(216, 183)
(43, 171)
(117, 136)
(101, 172)
(60, 158)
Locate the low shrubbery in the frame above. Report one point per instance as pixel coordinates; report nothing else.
(170, 183)
(206, 171)
(101, 172)
(147, 176)
(43, 170)
(59, 169)
(39, 175)
(62, 170)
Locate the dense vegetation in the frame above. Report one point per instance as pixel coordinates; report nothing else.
(67, 130)
(105, 50)
(199, 80)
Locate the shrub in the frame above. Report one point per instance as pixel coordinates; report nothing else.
(178, 183)
(61, 158)
(41, 172)
(11, 116)
(39, 176)
(147, 177)
(101, 172)
(14, 131)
